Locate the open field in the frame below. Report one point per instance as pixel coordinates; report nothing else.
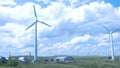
(6, 67)
(79, 62)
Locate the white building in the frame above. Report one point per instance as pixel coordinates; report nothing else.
(25, 59)
(64, 59)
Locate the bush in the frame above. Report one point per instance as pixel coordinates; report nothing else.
(3, 60)
(12, 62)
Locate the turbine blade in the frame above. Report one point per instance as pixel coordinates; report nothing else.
(118, 29)
(44, 23)
(35, 11)
(30, 26)
(106, 28)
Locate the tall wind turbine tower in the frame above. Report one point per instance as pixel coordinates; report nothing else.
(111, 42)
(35, 23)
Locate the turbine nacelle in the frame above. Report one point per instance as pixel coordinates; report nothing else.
(111, 32)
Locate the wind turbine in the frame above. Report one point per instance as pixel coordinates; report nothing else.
(35, 23)
(111, 42)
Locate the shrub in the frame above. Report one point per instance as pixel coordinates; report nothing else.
(12, 62)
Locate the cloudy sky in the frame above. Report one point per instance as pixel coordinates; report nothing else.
(76, 27)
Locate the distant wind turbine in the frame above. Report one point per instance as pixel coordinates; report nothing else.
(35, 23)
(111, 42)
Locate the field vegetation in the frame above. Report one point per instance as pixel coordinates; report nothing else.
(79, 62)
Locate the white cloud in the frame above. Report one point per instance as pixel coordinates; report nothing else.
(72, 29)
(116, 36)
(54, 13)
(7, 2)
(91, 15)
(88, 12)
(102, 38)
(70, 46)
(77, 47)
(17, 12)
(76, 15)
(14, 37)
(80, 39)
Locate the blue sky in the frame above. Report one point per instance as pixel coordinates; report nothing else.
(76, 27)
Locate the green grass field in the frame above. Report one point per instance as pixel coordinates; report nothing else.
(6, 67)
(79, 62)
(48, 65)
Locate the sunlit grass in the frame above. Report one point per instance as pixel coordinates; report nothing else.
(49, 65)
(79, 62)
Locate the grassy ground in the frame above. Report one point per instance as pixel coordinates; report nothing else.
(79, 62)
(48, 65)
(6, 67)
(75, 64)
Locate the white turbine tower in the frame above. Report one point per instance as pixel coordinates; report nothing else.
(35, 23)
(111, 42)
